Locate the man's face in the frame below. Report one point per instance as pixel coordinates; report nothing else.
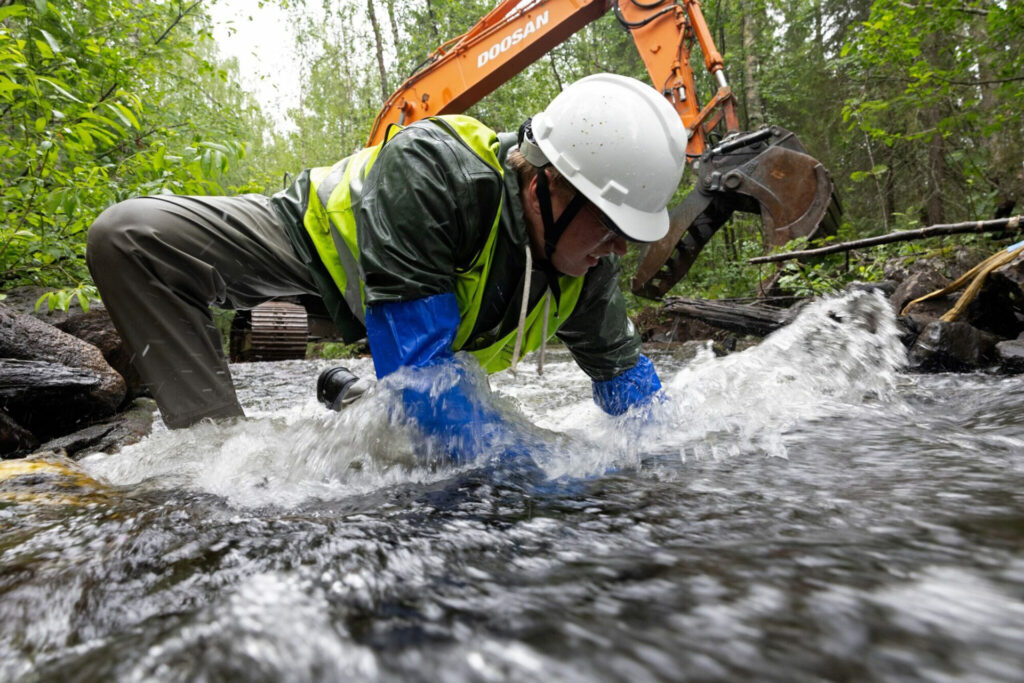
(584, 241)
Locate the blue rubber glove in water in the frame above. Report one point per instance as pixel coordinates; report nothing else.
(438, 392)
(635, 387)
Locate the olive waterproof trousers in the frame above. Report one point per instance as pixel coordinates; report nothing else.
(160, 263)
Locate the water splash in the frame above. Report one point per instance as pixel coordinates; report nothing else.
(305, 452)
(282, 459)
(838, 353)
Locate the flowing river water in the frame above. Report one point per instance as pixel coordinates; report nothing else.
(802, 510)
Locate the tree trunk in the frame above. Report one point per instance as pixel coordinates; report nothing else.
(751, 66)
(1004, 170)
(394, 24)
(554, 70)
(434, 30)
(345, 99)
(935, 173)
(878, 183)
(741, 318)
(890, 187)
(379, 42)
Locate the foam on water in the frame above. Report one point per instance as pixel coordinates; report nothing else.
(838, 353)
(241, 637)
(299, 453)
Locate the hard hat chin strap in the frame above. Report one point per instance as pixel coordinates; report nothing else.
(553, 229)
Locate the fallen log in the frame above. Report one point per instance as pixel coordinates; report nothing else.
(735, 317)
(998, 225)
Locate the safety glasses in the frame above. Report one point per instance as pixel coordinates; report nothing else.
(606, 222)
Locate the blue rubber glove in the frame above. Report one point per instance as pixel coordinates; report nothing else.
(635, 387)
(438, 392)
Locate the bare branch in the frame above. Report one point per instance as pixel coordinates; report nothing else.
(181, 15)
(963, 8)
(985, 82)
(998, 225)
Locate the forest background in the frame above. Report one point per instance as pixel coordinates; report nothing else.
(913, 105)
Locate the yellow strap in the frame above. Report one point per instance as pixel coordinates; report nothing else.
(975, 277)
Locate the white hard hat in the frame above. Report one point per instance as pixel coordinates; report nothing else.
(621, 144)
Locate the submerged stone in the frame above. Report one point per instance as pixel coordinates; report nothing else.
(1011, 356)
(952, 347)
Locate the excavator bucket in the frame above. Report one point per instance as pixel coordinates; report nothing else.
(767, 172)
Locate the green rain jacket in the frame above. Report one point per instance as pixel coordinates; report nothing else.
(426, 214)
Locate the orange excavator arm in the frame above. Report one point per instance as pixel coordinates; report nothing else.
(515, 34)
(790, 188)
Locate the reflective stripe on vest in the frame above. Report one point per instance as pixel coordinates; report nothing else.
(331, 223)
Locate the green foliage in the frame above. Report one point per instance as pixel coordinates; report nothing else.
(101, 101)
(876, 172)
(62, 299)
(913, 106)
(827, 275)
(334, 350)
(936, 99)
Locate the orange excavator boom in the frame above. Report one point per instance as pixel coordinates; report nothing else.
(516, 33)
(784, 184)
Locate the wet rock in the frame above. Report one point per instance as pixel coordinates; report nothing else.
(79, 441)
(1011, 274)
(1010, 356)
(14, 438)
(96, 328)
(997, 308)
(910, 327)
(952, 347)
(50, 399)
(125, 429)
(895, 270)
(951, 264)
(48, 478)
(23, 300)
(917, 284)
(25, 338)
(885, 287)
(999, 305)
(50, 382)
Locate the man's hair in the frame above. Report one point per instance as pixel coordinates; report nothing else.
(526, 171)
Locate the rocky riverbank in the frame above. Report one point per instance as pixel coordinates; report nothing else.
(67, 385)
(988, 336)
(66, 382)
